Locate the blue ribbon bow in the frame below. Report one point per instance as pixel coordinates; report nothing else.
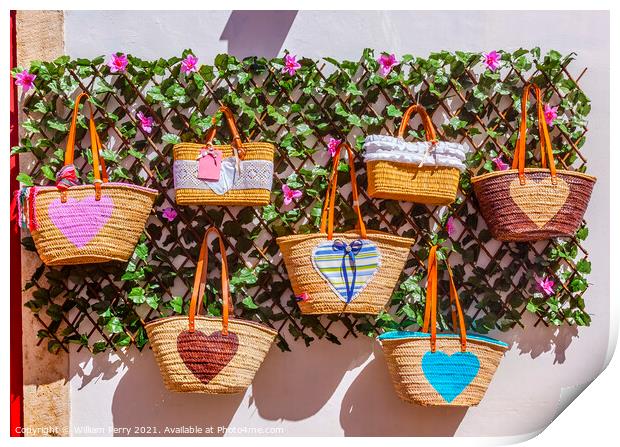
(348, 251)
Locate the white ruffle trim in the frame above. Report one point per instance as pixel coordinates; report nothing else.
(388, 148)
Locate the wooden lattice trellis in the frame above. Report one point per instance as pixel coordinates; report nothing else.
(103, 306)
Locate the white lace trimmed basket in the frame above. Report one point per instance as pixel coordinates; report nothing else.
(422, 172)
(418, 153)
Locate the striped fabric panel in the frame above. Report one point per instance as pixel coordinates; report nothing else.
(328, 262)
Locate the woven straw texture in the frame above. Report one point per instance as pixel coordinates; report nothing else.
(241, 197)
(404, 360)
(235, 374)
(432, 185)
(297, 253)
(116, 239)
(536, 210)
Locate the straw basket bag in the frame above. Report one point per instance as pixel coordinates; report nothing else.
(213, 355)
(82, 224)
(529, 204)
(239, 174)
(423, 172)
(352, 272)
(441, 369)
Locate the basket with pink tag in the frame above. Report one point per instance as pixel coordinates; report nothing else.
(236, 174)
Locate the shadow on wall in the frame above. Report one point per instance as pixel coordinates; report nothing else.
(371, 407)
(141, 400)
(288, 386)
(257, 33)
(296, 385)
(539, 339)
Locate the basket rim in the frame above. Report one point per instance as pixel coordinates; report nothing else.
(292, 237)
(428, 167)
(99, 259)
(488, 175)
(105, 185)
(241, 321)
(190, 145)
(403, 336)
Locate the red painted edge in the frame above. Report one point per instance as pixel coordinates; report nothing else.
(17, 372)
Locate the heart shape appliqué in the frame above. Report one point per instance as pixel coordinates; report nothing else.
(81, 220)
(450, 374)
(527, 198)
(206, 355)
(347, 267)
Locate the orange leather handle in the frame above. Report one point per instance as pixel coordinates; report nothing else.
(200, 279)
(429, 129)
(99, 169)
(518, 162)
(230, 119)
(327, 216)
(430, 310)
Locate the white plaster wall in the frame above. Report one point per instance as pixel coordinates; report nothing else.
(345, 390)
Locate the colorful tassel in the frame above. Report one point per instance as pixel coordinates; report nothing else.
(26, 216)
(66, 177)
(32, 217)
(18, 202)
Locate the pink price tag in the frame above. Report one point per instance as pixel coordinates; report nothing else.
(209, 164)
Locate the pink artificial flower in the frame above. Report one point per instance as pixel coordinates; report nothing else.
(169, 214)
(386, 63)
(189, 64)
(551, 113)
(290, 64)
(146, 122)
(118, 63)
(25, 80)
(332, 146)
(290, 194)
(500, 164)
(545, 285)
(450, 226)
(492, 60)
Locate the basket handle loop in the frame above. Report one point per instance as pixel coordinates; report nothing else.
(327, 216)
(430, 309)
(99, 169)
(237, 144)
(200, 280)
(518, 161)
(429, 129)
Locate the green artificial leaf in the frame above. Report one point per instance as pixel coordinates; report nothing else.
(142, 251)
(270, 213)
(394, 111)
(137, 295)
(532, 307)
(152, 301)
(30, 126)
(177, 304)
(584, 266)
(25, 179)
(48, 172)
(114, 325)
(99, 346)
(249, 303)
